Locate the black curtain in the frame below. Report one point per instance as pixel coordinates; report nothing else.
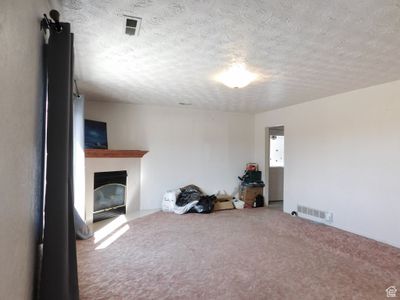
(59, 278)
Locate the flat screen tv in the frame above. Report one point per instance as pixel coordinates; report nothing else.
(95, 135)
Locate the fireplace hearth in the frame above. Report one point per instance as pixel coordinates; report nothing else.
(109, 194)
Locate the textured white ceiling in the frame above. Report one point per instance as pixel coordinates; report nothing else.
(305, 49)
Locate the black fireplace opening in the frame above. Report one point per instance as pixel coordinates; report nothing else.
(109, 195)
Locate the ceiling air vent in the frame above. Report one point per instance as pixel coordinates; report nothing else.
(132, 25)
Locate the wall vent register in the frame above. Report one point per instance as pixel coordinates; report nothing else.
(314, 214)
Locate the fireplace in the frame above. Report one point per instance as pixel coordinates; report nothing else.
(109, 195)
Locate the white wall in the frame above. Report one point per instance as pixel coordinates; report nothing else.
(20, 96)
(342, 154)
(209, 149)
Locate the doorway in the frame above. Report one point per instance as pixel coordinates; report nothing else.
(275, 166)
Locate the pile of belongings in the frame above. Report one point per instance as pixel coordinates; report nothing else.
(188, 199)
(251, 188)
(251, 179)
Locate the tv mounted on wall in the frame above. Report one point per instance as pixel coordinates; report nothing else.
(95, 135)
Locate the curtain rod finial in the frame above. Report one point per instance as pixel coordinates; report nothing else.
(55, 15)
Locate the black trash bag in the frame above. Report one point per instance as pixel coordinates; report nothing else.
(253, 184)
(259, 201)
(250, 176)
(188, 194)
(205, 205)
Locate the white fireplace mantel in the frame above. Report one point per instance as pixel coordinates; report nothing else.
(109, 164)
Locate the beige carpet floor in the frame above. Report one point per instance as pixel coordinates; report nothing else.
(238, 254)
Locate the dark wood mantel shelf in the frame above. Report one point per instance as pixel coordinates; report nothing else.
(104, 153)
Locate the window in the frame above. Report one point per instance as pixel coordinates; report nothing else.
(276, 143)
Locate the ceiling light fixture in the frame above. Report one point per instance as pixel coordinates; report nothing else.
(237, 76)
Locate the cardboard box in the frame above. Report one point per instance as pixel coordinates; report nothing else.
(249, 194)
(223, 204)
